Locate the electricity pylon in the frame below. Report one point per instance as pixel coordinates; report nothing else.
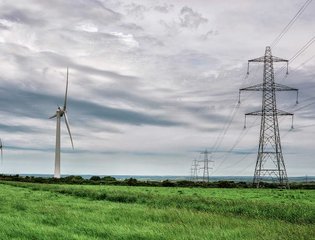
(194, 171)
(270, 162)
(206, 167)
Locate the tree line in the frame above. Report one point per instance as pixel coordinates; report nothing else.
(109, 180)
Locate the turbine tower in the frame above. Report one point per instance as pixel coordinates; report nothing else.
(1, 148)
(61, 112)
(270, 162)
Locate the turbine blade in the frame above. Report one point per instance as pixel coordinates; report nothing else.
(67, 124)
(66, 94)
(53, 116)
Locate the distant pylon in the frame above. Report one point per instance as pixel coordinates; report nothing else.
(270, 162)
(206, 167)
(194, 171)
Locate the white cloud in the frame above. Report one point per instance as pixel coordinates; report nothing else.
(87, 26)
(127, 39)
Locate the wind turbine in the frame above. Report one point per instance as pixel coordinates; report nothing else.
(1, 148)
(61, 112)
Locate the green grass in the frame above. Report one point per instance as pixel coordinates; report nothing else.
(40, 211)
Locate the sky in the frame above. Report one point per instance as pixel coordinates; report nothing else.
(151, 84)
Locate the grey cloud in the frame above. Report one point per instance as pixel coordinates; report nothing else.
(209, 34)
(191, 19)
(34, 105)
(203, 112)
(164, 8)
(23, 17)
(129, 97)
(11, 147)
(119, 115)
(103, 73)
(83, 10)
(16, 128)
(206, 129)
(96, 128)
(3, 27)
(149, 41)
(131, 27)
(136, 10)
(57, 60)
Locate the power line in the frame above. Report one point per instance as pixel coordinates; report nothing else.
(289, 25)
(303, 49)
(226, 128)
(236, 142)
(298, 53)
(228, 123)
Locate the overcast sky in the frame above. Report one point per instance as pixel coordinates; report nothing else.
(151, 84)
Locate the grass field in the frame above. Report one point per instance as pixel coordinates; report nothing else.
(42, 211)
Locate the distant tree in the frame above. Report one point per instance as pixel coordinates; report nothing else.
(168, 183)
(73, 179)
(131, 181)
(109, 179)
(185, 183)
(95, 178)
(226, 184)
(242, 185)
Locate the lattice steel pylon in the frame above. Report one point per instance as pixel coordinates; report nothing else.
(270, 161)
(206, 167)
(194, 171)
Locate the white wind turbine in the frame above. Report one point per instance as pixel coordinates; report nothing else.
(61, 112)
(1, 148)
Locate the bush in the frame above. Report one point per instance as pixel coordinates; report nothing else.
(226, 184)
(168, 183)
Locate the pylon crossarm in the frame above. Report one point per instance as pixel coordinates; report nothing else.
(281, 87)
(277, 87)
(278, 112)
(256, 113)
(260, 59)
(277, 59)
(260, 87)
(260, 113)
(257, 87)
(283, 113)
